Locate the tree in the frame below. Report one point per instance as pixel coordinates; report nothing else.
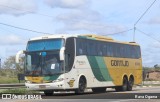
(11, 65)
(157, 67)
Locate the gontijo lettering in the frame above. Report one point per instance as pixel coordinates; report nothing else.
(119, 63)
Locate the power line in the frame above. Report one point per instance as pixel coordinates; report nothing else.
(26, 11)
(144, 13)
(6, 30)
(119, 32)
(147, 34)
(141, 18)
(23, 28)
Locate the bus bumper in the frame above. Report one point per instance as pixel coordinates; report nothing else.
(45, 86)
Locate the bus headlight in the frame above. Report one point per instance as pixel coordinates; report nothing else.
(58, 80)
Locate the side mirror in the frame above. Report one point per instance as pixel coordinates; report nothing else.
(18, 55)
(61, 54)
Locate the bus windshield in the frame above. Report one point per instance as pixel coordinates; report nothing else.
(43, 63)
(42, 57)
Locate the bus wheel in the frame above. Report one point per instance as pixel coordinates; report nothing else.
(48, 93)
(124, 86)
(82, 86)
(130, 84)
(99, 90)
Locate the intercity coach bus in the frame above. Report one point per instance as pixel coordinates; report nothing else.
(79, 62)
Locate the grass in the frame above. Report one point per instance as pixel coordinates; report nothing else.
(18, 91)
(8, 80)
(151, 84)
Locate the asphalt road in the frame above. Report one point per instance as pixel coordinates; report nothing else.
(145, 94)
(111, 94)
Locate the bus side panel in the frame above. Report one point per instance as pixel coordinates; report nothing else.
(95, 76)
(118, 67)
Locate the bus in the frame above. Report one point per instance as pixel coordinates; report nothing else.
(80, 62)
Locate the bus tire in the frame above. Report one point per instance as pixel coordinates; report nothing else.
(124, 86)
(130, 84)
(48, 93)
(81, 86)
(99, 90)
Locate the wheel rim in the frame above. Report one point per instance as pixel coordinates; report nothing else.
(130, 83)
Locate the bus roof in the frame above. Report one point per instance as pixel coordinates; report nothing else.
(108, 39)
(54, 36)
(87, 36)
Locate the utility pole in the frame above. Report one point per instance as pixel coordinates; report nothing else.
(134, 34)
(141, 18)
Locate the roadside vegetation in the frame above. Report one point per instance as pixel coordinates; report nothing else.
(10, 69)
(8, 80)
(18, 91)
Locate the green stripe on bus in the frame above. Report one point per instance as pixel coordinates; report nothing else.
(82, 37)
(86, 37)
(50, 78)
(103, 68)
(95, 68)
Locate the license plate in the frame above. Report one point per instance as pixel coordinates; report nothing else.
(42, 86)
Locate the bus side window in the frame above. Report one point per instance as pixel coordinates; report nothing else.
(111, 49)
(137, 51)
(99, 48)
(122, 51)
(108, 50)
(128, 51)
(104, 49)
(80, 47)
(125, 53)
(134, 52)
(91, 48)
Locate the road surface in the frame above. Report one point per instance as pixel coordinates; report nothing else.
(139, 94)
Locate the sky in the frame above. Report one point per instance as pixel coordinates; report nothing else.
(101, 17)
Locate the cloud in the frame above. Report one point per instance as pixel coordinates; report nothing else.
(17, 7)
(155, 20)
(11, 40)
(67, 3)
(86, 20)
(81, 18)
(156, 45)
(150, 54)
(91, 27)
(150, 60)
(76, 15)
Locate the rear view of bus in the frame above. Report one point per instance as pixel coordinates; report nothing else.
(75, 63)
